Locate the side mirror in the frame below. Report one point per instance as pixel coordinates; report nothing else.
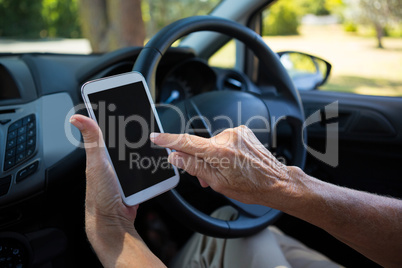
(307, 72)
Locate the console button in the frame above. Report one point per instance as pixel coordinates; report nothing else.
(32, 167)
(31, 142)
(19, 157)
(30, 133)
(27, 171)
(12, 135)
(29, 119)
(15, 125)
(21, 141)
(30, 151)
(31, 125)
(22, 130)
(23, 173)
(20, 148)
(10, 153)
(11, 143)
(9, 163)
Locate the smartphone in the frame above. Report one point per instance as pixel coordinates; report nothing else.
(124, 110)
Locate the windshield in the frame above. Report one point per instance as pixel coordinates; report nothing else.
(86, 26)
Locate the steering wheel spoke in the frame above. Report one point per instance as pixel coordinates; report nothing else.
(250, 210)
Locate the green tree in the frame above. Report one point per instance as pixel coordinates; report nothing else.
(282, 19)
(316, 7)
(39, 18)
(379, 14)
(21, 18)
(61, 17)
(335, 6)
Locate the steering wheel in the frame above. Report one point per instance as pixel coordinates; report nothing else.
(251, 108)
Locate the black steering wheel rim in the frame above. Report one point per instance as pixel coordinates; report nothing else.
(147, 63)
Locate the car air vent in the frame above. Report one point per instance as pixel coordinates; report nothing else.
(119, 68)
(234, 81)
(8, 87)
(7, 111)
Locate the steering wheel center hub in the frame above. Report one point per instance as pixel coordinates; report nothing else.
(212, 112)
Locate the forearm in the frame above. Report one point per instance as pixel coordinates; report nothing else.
(119, 247)
(369, 223)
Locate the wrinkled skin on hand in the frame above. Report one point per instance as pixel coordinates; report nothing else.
(233, 163)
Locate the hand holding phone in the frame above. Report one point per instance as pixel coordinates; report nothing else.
(123, 108)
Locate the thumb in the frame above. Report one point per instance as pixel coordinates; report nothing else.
(91, 133)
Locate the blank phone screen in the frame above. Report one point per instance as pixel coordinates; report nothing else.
(126, 119)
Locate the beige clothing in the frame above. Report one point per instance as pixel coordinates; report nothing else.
(269, 248)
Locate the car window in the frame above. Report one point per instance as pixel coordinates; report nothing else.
(225, 57)
(344, 34)
(75, 26)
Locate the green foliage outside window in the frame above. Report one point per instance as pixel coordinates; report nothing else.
(316, 7)
(282, 19)
(39, 18)
(61, 17)
(21, 18)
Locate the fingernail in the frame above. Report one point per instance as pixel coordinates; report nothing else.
(153, 135)
(75, 122)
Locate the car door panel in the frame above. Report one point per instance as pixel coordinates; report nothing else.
(369, 145)
(369, 158)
